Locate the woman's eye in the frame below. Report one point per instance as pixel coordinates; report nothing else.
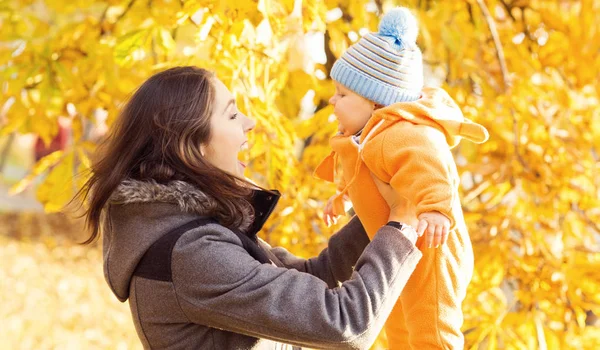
(234, 116)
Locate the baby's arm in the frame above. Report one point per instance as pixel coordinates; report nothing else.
(418, 163)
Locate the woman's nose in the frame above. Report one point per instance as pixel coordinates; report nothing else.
(249, 124)
(332, 100)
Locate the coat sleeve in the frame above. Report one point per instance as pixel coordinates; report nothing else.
(219, 285)
(336, 262)
(416, 160)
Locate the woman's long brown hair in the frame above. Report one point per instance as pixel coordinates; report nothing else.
(157, 137)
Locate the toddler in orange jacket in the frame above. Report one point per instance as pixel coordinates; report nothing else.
(402, 133)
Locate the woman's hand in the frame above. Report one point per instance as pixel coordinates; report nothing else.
(399, 206)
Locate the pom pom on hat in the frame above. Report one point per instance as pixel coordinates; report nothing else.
(400, 24)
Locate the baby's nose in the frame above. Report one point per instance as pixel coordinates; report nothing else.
(332, 100)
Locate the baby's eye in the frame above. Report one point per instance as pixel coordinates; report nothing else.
(234, 116)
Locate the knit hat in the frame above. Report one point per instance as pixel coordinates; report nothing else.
(384, 67)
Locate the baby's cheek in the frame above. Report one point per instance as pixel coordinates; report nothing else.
(337, 112)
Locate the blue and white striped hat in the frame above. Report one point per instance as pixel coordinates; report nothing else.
(384, 67)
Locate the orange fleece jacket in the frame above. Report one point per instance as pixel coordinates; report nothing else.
(408, 145)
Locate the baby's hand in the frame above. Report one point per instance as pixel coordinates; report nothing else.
(437, 226)
(328, 215)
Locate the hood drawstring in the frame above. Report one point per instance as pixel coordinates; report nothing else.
(338, 200)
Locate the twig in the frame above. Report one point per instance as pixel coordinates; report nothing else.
(526, 31)
(103, 17)
(6, 150)
(330, 57)
(586, 218)
(508, 9)
(129, 6)
(153, 50)
(379, 4)
(448, 67)
(516, 140)
(470, 10)
(499, 51)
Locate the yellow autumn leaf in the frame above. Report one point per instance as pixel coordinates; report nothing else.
(165, 40)
(40, 167)
(58, 188)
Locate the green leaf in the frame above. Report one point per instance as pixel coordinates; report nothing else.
(128, 43)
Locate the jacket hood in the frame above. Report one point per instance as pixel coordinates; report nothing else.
(187, 197)
(436, 109)
(141, 212)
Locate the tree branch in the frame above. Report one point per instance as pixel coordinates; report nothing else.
(103, 17)
(516, 141)
(6, 150)
(508, 9)
(379, 4)
(585, 217)
(499, 51)
(129, 6)
(330, 57)
(470, 11)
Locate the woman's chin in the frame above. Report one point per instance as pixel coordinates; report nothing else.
(241, 167)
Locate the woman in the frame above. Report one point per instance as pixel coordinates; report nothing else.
(179, 226)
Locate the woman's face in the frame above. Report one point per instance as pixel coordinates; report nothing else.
(228, 133)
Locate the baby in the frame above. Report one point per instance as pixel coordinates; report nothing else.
(392, 127)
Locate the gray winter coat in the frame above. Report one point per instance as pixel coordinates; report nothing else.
(203, 290)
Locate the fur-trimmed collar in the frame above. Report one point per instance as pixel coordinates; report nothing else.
(186, 196)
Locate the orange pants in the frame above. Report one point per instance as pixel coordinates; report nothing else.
(428, 314)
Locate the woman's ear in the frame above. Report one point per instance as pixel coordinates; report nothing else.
(202, 150)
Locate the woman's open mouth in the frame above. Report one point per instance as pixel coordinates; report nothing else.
(243, 148)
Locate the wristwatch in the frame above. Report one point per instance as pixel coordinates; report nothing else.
(408, 231)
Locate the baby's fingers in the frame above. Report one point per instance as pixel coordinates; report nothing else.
(422, 227)
(445, 233)
(430, 235)
(438, 235)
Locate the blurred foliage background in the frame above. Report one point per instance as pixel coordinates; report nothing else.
(526, 69)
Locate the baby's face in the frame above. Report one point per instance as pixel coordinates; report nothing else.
(351, 110)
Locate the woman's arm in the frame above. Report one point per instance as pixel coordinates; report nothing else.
(336, 262)
(219, 285)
